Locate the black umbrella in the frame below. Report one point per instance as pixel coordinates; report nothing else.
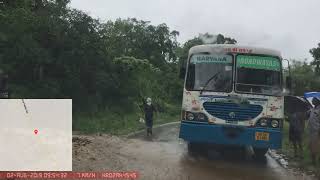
(294, 104)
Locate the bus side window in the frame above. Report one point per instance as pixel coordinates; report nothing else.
(190, 77)
(183, 70)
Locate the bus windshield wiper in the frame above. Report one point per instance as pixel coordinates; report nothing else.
(205, 85)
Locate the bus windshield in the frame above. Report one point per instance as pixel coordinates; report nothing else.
(210, 72)
(258, 74)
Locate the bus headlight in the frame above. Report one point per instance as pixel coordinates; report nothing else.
(274, 123)
(190, 116)
(263, 122)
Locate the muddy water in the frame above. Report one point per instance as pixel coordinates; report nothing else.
(164, 156)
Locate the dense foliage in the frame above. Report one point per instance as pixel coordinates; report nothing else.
(315, 52)
(305, 78)
(52, 51)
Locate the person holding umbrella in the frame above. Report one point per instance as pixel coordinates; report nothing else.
(296, 109)
(296, 131)
(314, 129)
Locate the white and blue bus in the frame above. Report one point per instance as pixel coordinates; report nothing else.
(233, 95)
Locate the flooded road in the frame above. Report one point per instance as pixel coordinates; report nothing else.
(165, 156)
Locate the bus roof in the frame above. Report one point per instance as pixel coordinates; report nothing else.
(221, 48)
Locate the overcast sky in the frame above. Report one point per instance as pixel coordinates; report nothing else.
(291, 26)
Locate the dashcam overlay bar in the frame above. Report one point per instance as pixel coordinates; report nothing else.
(67, 175)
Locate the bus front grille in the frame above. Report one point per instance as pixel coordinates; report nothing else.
(232, 111)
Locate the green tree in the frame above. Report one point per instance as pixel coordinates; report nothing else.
(315, 52)
(304, 78)
(140, 39)
(51, 51)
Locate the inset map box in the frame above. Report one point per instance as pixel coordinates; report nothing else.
(35, 134)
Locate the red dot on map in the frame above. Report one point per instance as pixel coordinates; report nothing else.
(35, 131)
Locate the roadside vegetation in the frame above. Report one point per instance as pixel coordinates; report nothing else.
(121, 123)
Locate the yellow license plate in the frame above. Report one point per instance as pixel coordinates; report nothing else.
(262, 136)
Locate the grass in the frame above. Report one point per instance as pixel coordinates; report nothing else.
(121, 123)
(287, 149)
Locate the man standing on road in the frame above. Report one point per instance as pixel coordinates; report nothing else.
(296, 129)
(314, 129)
(148, 110)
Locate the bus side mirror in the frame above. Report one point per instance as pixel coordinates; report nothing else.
(182, 69)
(289, 83)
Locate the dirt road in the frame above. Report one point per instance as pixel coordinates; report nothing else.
(165, 157)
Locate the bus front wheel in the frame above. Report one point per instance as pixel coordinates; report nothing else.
(260, 152)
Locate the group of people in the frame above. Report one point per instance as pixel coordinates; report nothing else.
(297, 126)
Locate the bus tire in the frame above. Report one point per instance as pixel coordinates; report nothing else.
(260, 152)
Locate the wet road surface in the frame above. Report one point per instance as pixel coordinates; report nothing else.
(165, 156)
